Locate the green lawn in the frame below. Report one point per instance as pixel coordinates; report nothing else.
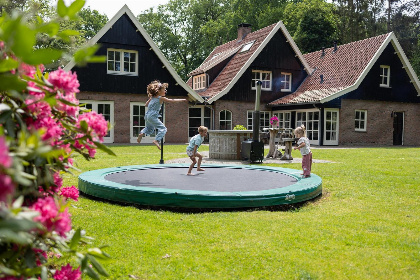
(365, 226)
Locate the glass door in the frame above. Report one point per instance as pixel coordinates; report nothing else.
(137, 123)
(198, 115)
(106, 108)
(331, 127)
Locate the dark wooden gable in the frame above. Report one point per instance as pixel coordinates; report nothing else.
(400, 90)
(277, 56)
(124, 35)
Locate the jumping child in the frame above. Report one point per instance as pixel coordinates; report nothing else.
(192, 148)
(156, 92)
(305, 149)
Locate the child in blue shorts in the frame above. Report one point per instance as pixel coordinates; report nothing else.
(192, 148)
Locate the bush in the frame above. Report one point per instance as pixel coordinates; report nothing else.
(239, 127)
(42, 129)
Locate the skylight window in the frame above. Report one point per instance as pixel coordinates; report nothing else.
(247, 46)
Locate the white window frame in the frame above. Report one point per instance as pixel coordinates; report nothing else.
(247, 46)
(200, 81)
(225, 120)
(286, 82)
(264, 120)
(309, 128)
(385, 78)
(285, 119)
(147, 139)
(360, 120)
(259, 75)
(110, 136)
(121, 62)
(335, 129)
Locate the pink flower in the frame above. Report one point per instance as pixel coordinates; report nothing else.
(7, 187)
(65, 81)
(5, 159)
(97, 125)
(70, 192)
(41, 256)
(72, 111)
(50, 216)
(58, 181)
(67, 273)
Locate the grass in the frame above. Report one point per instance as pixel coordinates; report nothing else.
(365, 226)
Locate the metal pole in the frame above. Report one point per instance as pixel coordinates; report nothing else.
(161, 141)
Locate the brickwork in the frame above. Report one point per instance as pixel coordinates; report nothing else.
(176, 115)
(379, 130)
(238, 109)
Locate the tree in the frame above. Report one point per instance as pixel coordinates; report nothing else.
(312, 23)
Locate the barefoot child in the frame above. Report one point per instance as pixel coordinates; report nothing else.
(305, 149)
(156, 92)
(192, 148)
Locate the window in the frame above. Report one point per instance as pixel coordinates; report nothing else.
(106, 108)
(122, 62)
(360, 120)
(286, 81)
(247, 46)
(264, 120)
(199, 82)
(225, 120)
(284, 119)
(198, 115)
(264, 77)
(385, 75)
(310, 119)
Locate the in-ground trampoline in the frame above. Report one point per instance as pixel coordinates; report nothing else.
(220, 186)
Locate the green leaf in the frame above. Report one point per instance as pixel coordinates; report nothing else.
(96, 252)
(42, 56)
(61, 8)
(11, 82)
(97, 265)
(23, 41)
(75, 7)
(91, 273)
(104, 148)
(8, 64)
(51, 28)
(75, 239)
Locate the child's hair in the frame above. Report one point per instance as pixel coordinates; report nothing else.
(202, 128)
(154, 87)
(301, 130)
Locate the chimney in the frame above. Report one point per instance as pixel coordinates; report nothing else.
(243, 30)
(335, 46)
(323, 52)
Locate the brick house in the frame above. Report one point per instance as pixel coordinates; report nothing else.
(360, 93)
(117, 88)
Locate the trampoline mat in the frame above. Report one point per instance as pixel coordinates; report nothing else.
(213, 179)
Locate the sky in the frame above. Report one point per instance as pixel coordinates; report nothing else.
(111, 7)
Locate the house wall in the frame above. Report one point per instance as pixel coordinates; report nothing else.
(239, 111)
(277, 56)
(379, 123)
(175, 115)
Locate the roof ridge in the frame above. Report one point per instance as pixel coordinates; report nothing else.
(350, 43)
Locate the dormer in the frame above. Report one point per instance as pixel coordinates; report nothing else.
(199, 81)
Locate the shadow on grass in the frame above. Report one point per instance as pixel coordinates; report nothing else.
(275, 208)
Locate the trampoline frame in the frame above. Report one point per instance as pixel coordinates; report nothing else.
(94, 183)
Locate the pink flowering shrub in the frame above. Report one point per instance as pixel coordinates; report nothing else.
(41, 129)
(70, 192)
(67, 273)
